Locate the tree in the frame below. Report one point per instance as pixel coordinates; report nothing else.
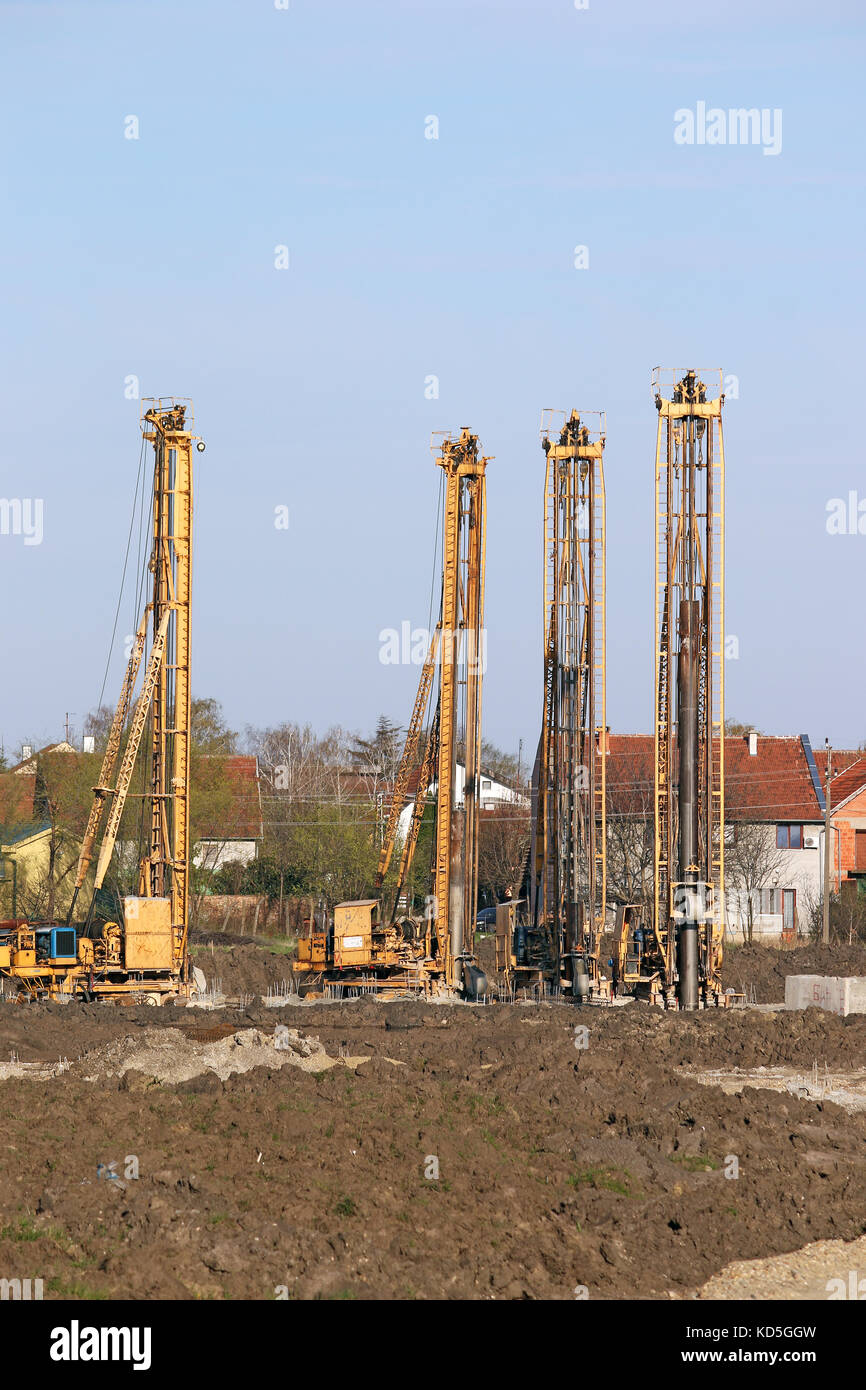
(261, 877)
(61, 802)
(500, 765)
(752, 863)
(380, 754)
(503, 844)
(97, 726)
(209, 732)
(848, 913)
(320, 829)
(735, 729)
(630, 831)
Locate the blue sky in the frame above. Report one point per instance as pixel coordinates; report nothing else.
(411, 257)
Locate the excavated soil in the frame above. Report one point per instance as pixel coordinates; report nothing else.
(561, 1167)
(250, 966)
(240, 966)
(764, 968)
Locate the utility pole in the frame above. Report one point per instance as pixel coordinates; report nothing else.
(825, 930)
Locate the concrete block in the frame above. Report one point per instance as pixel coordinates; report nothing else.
(857, 995)
(840, 994)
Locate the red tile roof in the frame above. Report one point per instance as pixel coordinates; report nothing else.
(773, 785)
(846, 783)
(244, 818)
(16, 798)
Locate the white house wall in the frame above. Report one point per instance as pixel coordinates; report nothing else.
(800, 869)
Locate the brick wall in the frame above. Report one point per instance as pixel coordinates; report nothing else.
(247, 915)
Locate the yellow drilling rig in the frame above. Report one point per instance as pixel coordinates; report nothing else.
(552, 937)
(144, 955)
(365, 945)
(673, 953)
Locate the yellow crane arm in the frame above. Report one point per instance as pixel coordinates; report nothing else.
(408, 760)
(104, 788)
(425, 777)
(124, 776)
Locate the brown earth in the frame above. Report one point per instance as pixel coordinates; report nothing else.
(560, 1167)
(242, 965)
(249, 965)
(765, 967)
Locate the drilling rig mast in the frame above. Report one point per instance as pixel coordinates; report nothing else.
(146, 953)
(558, 937)
(681, 957)
(367, 945)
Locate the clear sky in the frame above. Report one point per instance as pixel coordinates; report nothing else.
(410, 257)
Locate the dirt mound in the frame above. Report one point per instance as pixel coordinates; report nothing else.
(244, 968)
(817, 1271)
(765, 968)
(167, 1056)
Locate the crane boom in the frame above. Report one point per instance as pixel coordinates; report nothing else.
(103, 790)
(127, 766)
(409, 760)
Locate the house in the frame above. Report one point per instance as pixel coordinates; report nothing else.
(25, 856)
(774, 813)
(848, 825)
(492, 795)
(38, 857)
(29, 764)
(239, 831)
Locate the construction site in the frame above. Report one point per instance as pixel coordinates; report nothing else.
(432, 757)
(572, 1096)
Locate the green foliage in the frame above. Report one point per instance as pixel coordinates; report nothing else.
(380, 754)
(263, 877)
(605, 1179)
(327, 848)
(500, 765)
(695, 1163)
(25, 1230)
(209, 733)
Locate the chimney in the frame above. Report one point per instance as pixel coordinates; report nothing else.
(89, 743)
(753, 744)
(26, 751)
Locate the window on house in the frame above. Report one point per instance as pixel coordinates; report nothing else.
(485, 784)
(789, 837)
